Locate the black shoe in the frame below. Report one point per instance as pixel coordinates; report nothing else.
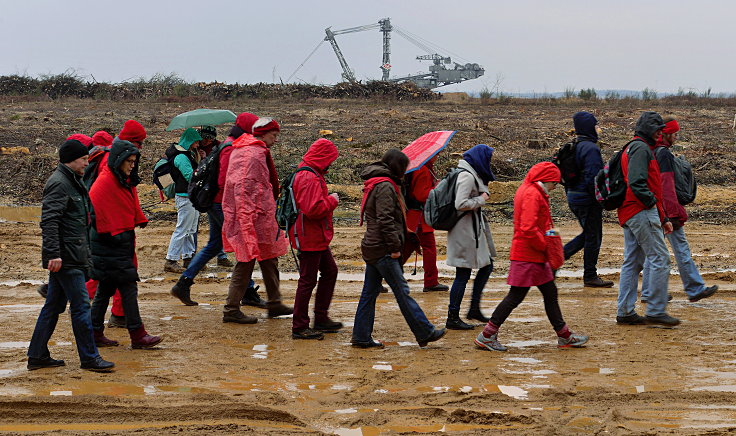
(669, 298)
(384, 290)
(116, 321)
(476, 314)
(224, 262)
(307, 333)
(437, 288)
(665, 320)
(186, 262)
(34, 363)
(251, 298)
(436, 335)
(328, 326)
(182, 290)
(597, 283)
(98, 365)
(43, 290)
(705, 293)
(455, 323)
(239, 318)
(633, 319)
(371, 344)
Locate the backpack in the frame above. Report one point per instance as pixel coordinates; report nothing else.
(286, 210)
(163, 180)
(203, 186)
(439, 209)
(686, 186)
(93, 169)
(411, 202)
(610, 186)
(566, 160)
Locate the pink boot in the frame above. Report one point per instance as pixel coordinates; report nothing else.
(139, 338)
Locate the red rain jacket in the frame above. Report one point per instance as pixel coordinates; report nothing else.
(640, 167)
(314, 223)
(532, 216)
(421, 183)
(671, 206)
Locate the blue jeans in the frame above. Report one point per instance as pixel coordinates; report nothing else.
(214, 245)
(589, 240)
(183, 243)
(390, 270)
(644, 241)
(65, 285)
(689, 274)
(462, 275)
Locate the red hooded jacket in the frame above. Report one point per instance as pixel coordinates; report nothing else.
(671, 206)
(421, 183)
(314, 223)
(532, 216)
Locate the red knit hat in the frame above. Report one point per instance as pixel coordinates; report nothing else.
(671, 127)
(84, 139)
(245, 121)
(265, 125)
(102, 139)
(132, 131)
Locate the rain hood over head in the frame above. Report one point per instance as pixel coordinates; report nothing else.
(543, 172)
(120, 151)
(585, 123)
(648, 124)
(320, 155)
(479, 157)
(189, 137)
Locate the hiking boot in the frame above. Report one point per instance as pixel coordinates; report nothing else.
(43, 290)
(328, 326)
(705, 293)
(384, 290)
(34, 363)
(455, 323)
(644, 299)
(369, 344)
(102, 341)
(279, 309)
(633, 319)
(186, 262)
(224, 262)
(437, 288)
(116, 321)
(597, 283)
(491, 343)
(574, 341)
(251, 298)
(665, 320)
(173, 266)
(98, 365)
(239, 318)
(139, 338)
(436, 335)
(307, 333)
(182, 289)
(476, 314)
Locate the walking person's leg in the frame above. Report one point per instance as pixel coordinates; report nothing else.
(651, 239)
(191, 227)
(692, 281)
(270, 272)
(179, 236)
(38, 351)
(488, 338)
(593, 230)
(242, 272)
(79, 308)
(325, 290)
(462, 275)
(105, 289)
(209, 251)
(366, 312)
(578, 242)
(481, 279)
(629, 278)
(429, 260)
(566, 338)
(308, 269)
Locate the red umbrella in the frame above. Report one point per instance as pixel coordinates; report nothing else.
(425, 147)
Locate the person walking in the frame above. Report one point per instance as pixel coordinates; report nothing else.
(582, 202)
(529, 261)
(183, 242)
(422, 181)
(384, 212)
(65, 221)
(470, 243)
(692, 281)
(644, 223)
(311, 236)
(249, 228)
(117, 212)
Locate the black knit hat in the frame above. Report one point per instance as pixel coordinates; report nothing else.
(71, 150)
(208, 132)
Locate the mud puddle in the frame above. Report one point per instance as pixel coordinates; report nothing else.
(20, 214)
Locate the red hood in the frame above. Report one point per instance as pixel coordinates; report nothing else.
(543, 172)
(248, 139)
(320, 155)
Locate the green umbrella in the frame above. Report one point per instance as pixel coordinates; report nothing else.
(202, 117)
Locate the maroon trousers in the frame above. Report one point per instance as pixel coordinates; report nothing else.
(429, 256)
(310, 263)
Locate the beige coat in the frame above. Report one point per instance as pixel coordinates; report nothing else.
(461, 241)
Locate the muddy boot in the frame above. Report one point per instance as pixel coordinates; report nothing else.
(139, 338)
(224, 262)
(251, 298)
(173, 266)
(181, 290)
(238, 317)
(102, 341)
(116, 321)
(476, 314)
(455, 323)
(278, 309)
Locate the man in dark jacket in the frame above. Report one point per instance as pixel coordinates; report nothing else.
(65, 221)
(644, 224)
(691, 279)
(582, 202)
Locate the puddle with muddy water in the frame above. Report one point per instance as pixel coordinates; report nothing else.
(20, 214)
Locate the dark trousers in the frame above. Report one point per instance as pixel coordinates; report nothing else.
(517, 294)
(429, 256)
(462, 276)
(129, 295)
(241, 278)
(65, 285)
(214, 245)
(311, 263)
(589, 240)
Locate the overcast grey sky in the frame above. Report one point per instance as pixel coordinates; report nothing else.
(533, 45)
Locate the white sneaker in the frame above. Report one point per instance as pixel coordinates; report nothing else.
(491, 343)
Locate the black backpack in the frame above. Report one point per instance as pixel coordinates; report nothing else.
(203, 186)
(610, 185)
(93, 169)
(439, 209)
(686, 186)
(566, 160)
(411, 202)
(286, 210)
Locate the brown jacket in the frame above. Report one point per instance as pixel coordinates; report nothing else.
(385, 231)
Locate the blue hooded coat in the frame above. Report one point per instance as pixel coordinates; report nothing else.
(588, 157)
